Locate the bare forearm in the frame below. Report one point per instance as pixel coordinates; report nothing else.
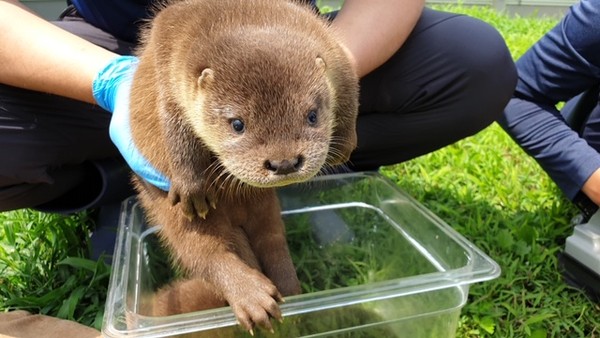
(372, 31)
(36, 55)
(592, 187)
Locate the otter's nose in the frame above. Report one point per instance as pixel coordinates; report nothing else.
(284, 167)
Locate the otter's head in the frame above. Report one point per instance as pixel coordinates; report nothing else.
(264, 105)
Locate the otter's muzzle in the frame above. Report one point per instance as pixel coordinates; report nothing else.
(286, 166)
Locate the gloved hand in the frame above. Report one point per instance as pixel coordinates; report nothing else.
(111, 89)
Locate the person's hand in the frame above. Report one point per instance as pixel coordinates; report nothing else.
(111, 89)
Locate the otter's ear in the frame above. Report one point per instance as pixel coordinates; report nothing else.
(206, 78)
(321, 63)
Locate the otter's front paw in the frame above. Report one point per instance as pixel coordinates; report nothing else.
(255, 303)
(193, 197)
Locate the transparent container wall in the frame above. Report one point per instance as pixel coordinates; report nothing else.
(378, 214)
(331, 267)
(372, 263)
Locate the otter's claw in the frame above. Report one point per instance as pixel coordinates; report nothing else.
(194, 200)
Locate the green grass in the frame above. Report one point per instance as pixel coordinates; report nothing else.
(43, 268)
(484, 186)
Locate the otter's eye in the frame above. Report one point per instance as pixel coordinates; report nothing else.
(312, 117)
(237, 125)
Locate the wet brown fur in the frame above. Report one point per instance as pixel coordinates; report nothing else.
(203, 64)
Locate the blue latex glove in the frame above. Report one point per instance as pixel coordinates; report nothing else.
(111, 89)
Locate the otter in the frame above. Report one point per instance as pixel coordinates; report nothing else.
(232, 99)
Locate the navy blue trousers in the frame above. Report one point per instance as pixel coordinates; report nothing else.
(451, 79)
(562, 64)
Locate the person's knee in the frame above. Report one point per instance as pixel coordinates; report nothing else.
(487, 76)
(19, 190)
(70, 188)
(485, 58)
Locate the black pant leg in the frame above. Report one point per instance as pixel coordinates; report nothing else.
(46, 143)
(54, 149)
(451, 79)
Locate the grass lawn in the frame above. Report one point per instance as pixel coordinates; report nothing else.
(483, 186)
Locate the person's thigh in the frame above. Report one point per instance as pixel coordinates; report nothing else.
(451, 79)
(581, 29)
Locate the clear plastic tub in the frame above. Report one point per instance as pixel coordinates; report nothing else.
(373, 263)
